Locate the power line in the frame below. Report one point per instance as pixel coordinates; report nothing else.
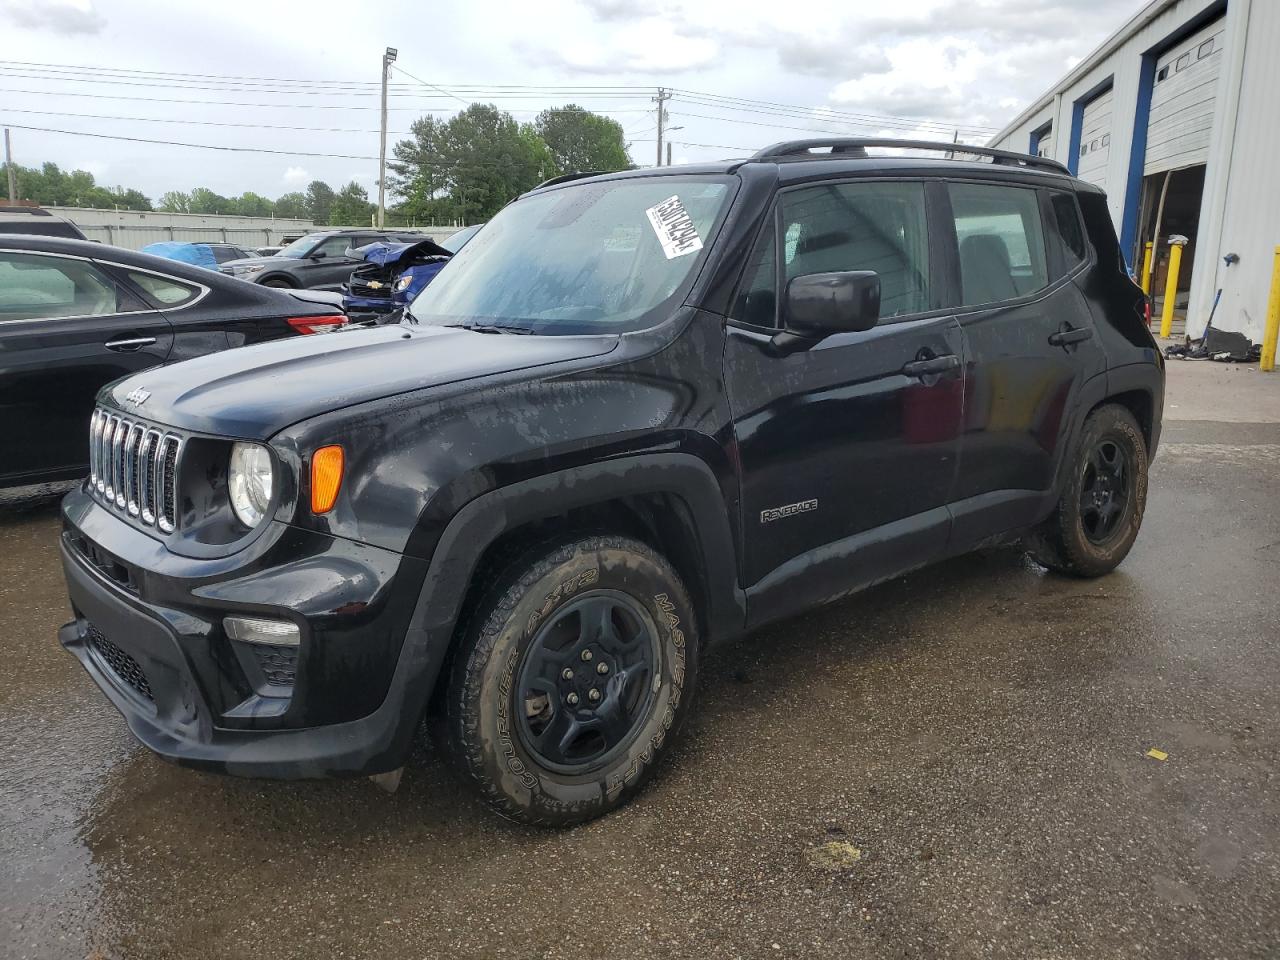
(430, 85)
(202, 123)
(197, 146)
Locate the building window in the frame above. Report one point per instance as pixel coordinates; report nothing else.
(1084, 148)
(1106, 139)
(1182, 63)
(1206, 48)
(1163, 74)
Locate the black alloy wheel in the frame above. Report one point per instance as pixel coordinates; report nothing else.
(586, 681)
(1105, 491)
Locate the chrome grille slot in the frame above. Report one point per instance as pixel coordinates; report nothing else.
(95, 446)
(131, 468)
(147, 480)
(134, 469)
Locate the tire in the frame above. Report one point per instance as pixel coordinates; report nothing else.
(280, 284)
(1097, 518)
(508, 701)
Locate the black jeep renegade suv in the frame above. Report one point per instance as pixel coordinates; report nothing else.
(639, 413)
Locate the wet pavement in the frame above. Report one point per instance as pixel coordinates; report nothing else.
(952, 764)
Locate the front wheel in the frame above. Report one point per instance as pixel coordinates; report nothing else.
(1100, 511)
(572, 680)
(279, 284)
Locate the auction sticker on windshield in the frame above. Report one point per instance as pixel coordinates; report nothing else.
(674, 227)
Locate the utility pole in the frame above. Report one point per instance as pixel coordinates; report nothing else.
(8, 165)
(668, 153)
(661, 99)
(388, 59)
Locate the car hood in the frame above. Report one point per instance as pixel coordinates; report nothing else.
(387, 253)
(253, 392)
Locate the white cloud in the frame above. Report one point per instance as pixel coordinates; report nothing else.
(55, 16)
(296, 176)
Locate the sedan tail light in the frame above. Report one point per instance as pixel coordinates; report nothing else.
(323, 324)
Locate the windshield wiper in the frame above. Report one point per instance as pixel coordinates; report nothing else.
(491, 328)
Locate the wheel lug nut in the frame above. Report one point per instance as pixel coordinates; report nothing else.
(572, 699)
(593, 695)
(566, 674)
(602, 668)
(586, 654)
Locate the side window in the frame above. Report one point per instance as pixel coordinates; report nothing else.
(165, 291)
(1070, 232)
(223, 254)
(334, 247)
(1002, 252)
(878, 226)
(35, 287)
(757, 300)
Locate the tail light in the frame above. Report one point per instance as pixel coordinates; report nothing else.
(322, 324)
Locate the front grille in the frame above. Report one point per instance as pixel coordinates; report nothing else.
(123, 665)
(133, 468)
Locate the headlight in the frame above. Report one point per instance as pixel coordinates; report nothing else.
(402, 284)
(250, 269)
(250, 481)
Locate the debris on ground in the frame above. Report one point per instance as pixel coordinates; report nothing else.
(1155, 754)
(834, 856)
(1221, 345)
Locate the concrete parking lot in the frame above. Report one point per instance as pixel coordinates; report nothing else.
(951, 765)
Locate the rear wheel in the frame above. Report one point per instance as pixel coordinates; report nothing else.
(572, 680)
(1100, 511)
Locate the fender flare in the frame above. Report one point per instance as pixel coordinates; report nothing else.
(482, 520)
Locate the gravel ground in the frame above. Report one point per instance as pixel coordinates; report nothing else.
(953, 764)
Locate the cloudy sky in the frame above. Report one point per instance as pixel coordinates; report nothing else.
(158, 70)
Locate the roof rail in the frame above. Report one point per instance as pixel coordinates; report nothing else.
(566, 177)
(856, 148)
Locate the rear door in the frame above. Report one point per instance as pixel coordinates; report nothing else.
(67, 327)
(335, 266)
(847, 454)
(1030, 344)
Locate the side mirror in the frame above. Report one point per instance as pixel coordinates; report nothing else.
(820, 304)
(318, 255)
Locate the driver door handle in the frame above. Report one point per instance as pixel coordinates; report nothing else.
(1068, 335)
(129, 344)
(931, 365)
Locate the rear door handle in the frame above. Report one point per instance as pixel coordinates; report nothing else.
(931, 365)
(130, 344)
(1068, 335)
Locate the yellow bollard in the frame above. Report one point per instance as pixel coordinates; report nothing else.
(1147, 249)
(1177, 242)
(1268, 361)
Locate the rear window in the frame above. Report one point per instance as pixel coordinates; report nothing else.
(165, 291)
(42, 227)
(1067, 226)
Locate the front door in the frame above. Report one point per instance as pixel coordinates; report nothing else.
(66, 329)
(328, 264)
(1029, 338)
(847, 450)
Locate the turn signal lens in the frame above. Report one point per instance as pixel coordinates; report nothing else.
(326, 478)
(317, 324)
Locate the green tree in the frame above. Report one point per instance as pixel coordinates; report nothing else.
(292, 206)
(469, 167)
(250, 204)
(176, 201)
(204, 200)
(51, 186)
(580, 140)
(320, 197)
(351, 207)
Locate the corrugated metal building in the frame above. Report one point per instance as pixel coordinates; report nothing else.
(1177, 116)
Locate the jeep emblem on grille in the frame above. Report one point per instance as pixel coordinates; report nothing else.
(137, 396)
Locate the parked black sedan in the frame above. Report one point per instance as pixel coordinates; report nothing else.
(75, 315)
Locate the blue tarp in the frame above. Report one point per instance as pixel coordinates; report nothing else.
(196, 253)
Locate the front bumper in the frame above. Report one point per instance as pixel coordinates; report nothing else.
(152, 640)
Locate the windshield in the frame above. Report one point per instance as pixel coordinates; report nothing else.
(603, 257)
(302, 246)
(459, 239)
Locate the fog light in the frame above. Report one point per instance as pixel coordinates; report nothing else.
(277, 633)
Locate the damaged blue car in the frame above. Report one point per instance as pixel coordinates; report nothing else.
(393, 273)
